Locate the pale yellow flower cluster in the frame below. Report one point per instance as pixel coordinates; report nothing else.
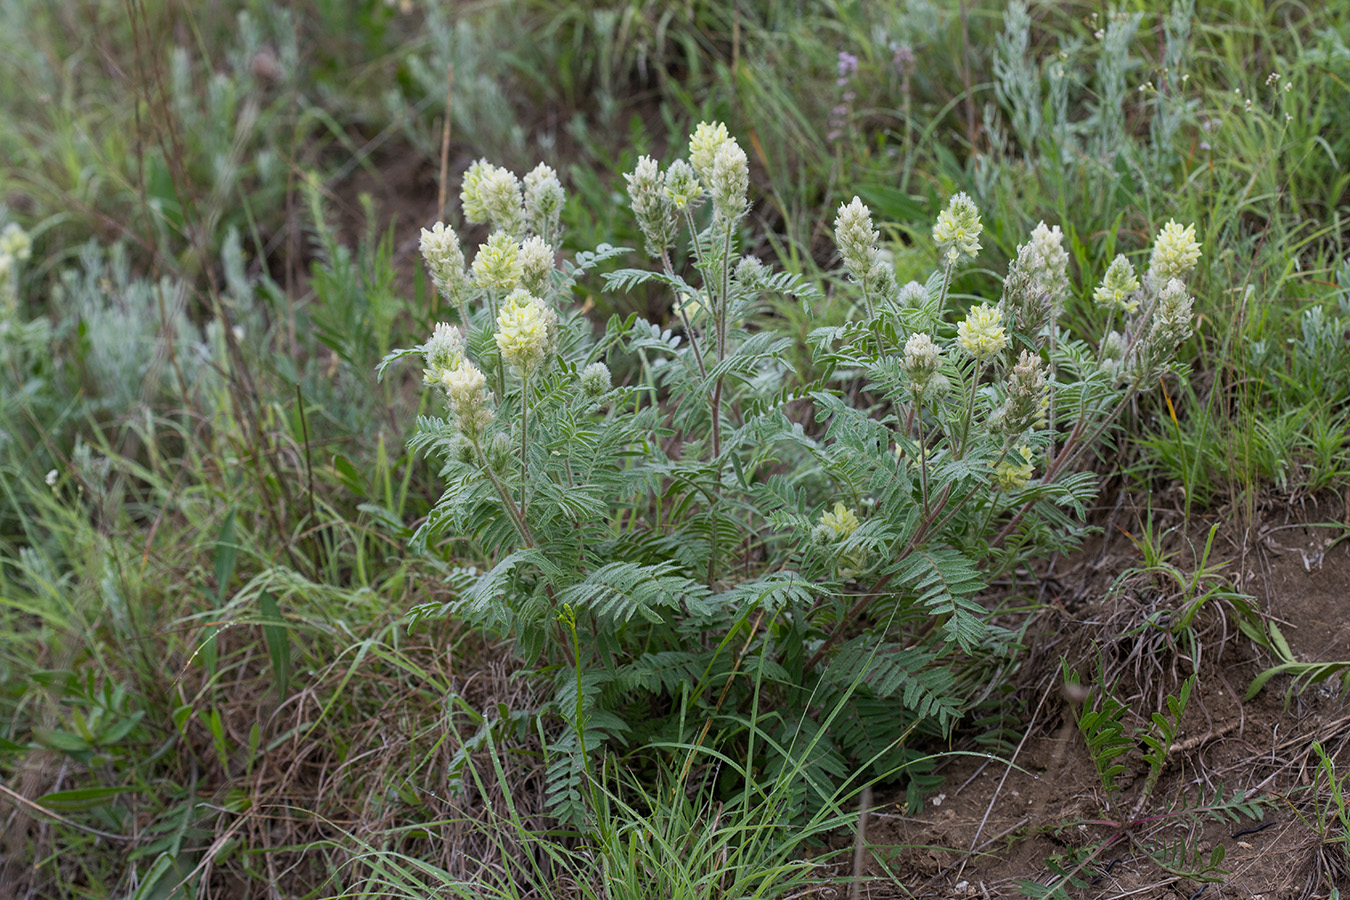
(981, 332)
(525, 332)
(958, 228)
(497, 266)
(466, 389)
(1175, 253)
(842, 521)
(1014, 474)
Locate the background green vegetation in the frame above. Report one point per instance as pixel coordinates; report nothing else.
(206, 669)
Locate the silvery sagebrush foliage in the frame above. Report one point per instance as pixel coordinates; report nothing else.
(677, 543)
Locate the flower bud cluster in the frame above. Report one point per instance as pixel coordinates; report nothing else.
(981, 332)
(921, 362)
(1026, 297)
(595, 380)
(526, 332)
(1026, 393)
(750, 274)
(857, 242)
(654, 209)
(1172, 322)
(840, 523)
(912, 295)
(957, 232)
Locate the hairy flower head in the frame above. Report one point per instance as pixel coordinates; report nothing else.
(525, 332)
(921, 360)
(981, 332)
(595, 380)
(1026, 394)
(443, 352)
(1172, 321)
(653, 209)
(912, 295)
(957, 232)
(842, 521)
(466, 390)
(1048, 262)
(492, 194)
(750, 274)
(544, 199)
(470, 193)
(856, 238)
(497, 265)
(536, 264)
(445, 262)
(703, 146)
(1118, 286)
(682, 185)
(1175, 253)
(729, 181)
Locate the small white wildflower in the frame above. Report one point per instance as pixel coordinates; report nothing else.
(470, 194)
(750, 273)
(981, 332)
(912, 294)
(15, 242)
(499, 191)
(856, 238)
(1026, 391)
(957, 232)
(842, 522)
(51, 479)
(1172, 322)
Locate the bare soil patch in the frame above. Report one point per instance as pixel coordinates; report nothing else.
(994, 826)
